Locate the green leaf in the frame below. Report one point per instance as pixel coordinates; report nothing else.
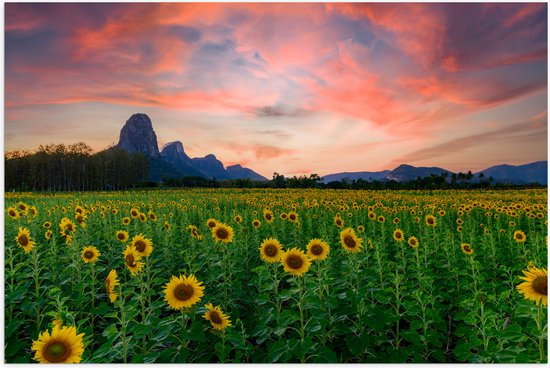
(137, 358)
(151, 357)
(12, 327)
(13, 349)
(288, 317)
(277, 352)
(102, 351)
(413, 337)
(196, 332)
(462, 352)
(326, 355)
(513, 333)
(141, 330)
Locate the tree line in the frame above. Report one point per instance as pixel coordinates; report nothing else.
(74, 167)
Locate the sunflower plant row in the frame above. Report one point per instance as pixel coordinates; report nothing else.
(261, 276)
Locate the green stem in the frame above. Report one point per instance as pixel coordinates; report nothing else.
(223, 356)
(143, 318)
(276, 289)
(36, 272)
(123, 324)
(92, 314)
(184, 319)
(397, 308)
(301, 308)
(539, 321)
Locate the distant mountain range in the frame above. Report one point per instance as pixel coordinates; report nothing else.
(138, 136)
(535, 172)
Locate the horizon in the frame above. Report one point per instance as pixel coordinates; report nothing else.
(310, 88)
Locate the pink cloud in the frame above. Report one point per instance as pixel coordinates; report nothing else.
(399, 68)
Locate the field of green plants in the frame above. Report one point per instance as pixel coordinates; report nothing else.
(242, 276)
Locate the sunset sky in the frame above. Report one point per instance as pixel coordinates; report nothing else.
(293, 88)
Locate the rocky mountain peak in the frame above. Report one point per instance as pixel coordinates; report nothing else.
(138, 136)
(174, 150)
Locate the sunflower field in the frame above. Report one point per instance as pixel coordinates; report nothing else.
(259, 276)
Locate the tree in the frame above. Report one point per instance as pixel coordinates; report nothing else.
(279, 181)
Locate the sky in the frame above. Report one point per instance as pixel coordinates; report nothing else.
(289, 88)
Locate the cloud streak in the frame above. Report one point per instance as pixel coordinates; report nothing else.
(401, 71)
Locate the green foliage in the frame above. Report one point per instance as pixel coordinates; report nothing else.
(389, 303)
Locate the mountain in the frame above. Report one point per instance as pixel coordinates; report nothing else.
(365, 175)
(210, 165)
(239, 172)
(535, 172)
(138, 136)
(174, 154)
(521, 174)
(408, 172)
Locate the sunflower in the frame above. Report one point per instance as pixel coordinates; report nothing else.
(110, 283)
(58, 321)
(350, 241)
(47, 225)
(268, 216)
(413, 242)
(183, 292)
(211, 223)
(270, 250)
(23, 238)
(126, 221)
(194, 232)
(431, 221)
(535, 286)
(22, 207)
(48, 234)
(80, 218)
(90, 254)
(132, 259)
(466, 248)
(256, 224)
(13, 213)
(519, 236)
(66, 225)
(216, 317)
(134, 212)
(166, 226)
(122, 236)
(317, 249)
(78, 209)
(222, 233)
(62, 346)
(295, 262)
(142, 245)
(152, 216)
(283, 216)
(292, 216)
(238, 219)
(360, 229)
(33, 211)
(371, 216)
(142, 217)
(381, 218)
(338, 221)
(398, 235)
